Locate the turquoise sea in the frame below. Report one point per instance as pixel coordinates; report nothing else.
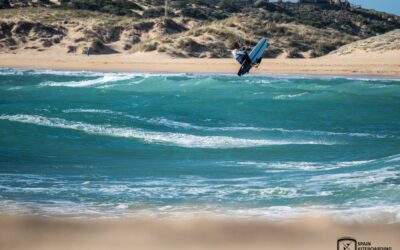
(87, 144)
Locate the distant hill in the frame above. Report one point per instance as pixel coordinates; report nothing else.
(194, 28)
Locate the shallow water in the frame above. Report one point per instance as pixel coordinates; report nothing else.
(127, 144)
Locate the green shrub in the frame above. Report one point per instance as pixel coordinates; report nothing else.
(196, 13)
(153, 12)
(116, 7)
(4, 4)
(273, 52)
(315, 54)
(149, 46)
(294, 53)
(229, 5)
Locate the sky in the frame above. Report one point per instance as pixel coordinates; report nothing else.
(389, 6)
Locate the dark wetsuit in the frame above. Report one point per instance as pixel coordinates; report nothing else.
(241, 55)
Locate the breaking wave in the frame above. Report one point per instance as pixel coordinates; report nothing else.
(165, 138)
(86, 83)
(161, 121)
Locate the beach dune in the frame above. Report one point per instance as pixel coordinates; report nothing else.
(184, 233)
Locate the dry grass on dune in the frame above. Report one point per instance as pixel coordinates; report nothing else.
(74, 31)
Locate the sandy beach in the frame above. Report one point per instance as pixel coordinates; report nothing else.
(205, 233)
(361, 63)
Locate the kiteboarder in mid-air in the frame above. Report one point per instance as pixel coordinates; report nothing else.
(252, 59)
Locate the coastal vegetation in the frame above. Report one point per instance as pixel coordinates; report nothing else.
(192, 28)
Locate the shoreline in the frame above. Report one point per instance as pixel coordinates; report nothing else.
(272, 75)
(386, 65)
(275, 214)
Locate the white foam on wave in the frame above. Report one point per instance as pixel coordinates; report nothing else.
(14, 88)
(175, 124)
(103, 80)
(12, 71)
(326, 77)
(155, 121)
(373, 79)
(357, 178)
(101, 111)
(152, 189)
(277, 192)
(166, 138)
(305, 166)
(161, 121)
(64, 72)
(286, 97)
(393, 158)
(388, 213)
(324, 133)
(9, 72)
(238, 194)
(170, 123)
(86, 83)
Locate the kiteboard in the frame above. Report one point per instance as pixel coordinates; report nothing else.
(254, 57)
